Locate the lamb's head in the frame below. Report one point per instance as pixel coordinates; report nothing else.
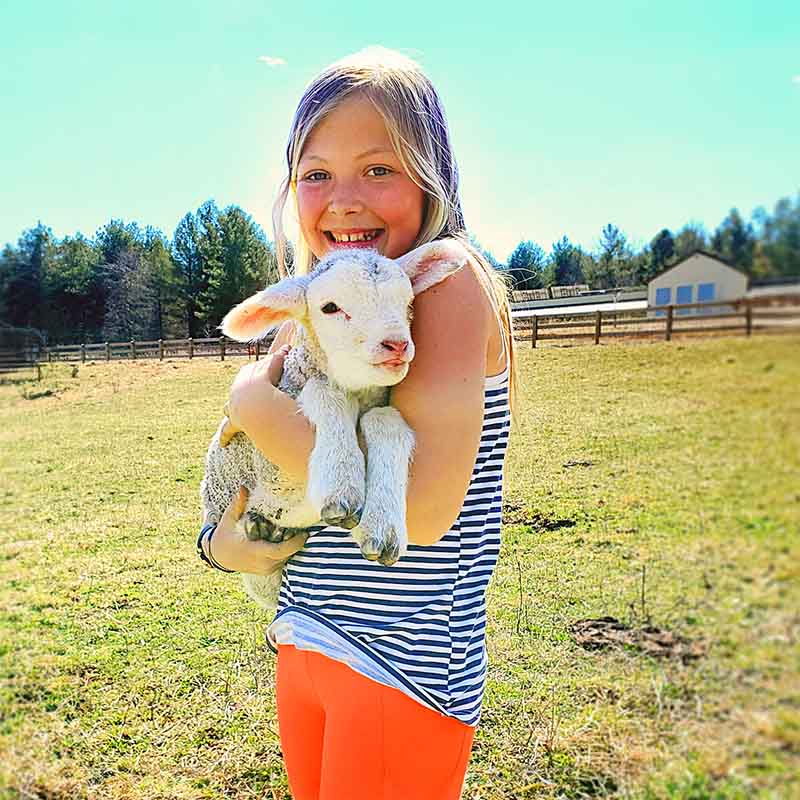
(357, 305)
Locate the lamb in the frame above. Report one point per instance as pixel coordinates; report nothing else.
(353, 343)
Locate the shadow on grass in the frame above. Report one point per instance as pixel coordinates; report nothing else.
(515, 513)
(16, 380)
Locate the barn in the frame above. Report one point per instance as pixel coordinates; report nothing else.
(699, 278)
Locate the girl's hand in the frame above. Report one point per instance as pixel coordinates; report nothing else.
(235, 551)
(266, 371)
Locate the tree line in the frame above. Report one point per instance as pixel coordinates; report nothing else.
(766, 246)
(133, 283)
(130, 282)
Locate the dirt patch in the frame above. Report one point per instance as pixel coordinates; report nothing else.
(33, 395)
(571, 464)
(605, 632)
(516, 513)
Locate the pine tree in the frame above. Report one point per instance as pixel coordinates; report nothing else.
(526, 266)
(691, 238)
(735, 241)
(23, 271)
(192, 278)
(565, 267)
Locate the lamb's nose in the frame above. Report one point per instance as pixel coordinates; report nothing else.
(396, 346)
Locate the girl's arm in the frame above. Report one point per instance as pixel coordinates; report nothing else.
(441, 398)
(271, 419)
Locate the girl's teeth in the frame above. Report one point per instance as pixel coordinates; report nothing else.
(354, 237)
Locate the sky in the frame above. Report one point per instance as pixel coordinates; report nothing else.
(564, 116)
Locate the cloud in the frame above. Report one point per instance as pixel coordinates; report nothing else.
(271, 61)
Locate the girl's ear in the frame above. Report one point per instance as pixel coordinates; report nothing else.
(433, 262)
(253, 317)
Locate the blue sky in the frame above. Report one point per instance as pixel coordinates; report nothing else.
(565, 116)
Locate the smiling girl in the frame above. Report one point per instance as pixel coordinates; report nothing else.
(381, 670)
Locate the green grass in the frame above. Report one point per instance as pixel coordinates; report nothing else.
(130, 671)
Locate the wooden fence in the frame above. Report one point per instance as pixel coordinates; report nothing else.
(13, 360)
(777, 314)
(20, 349)
(217, 347)
(774, 314)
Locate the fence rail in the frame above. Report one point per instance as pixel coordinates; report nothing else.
(777, 314)
(159, 349)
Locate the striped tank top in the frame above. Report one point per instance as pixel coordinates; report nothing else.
(420, 624)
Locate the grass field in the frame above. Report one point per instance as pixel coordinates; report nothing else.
(657, 483)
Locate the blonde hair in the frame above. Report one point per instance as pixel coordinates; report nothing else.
(418, 131)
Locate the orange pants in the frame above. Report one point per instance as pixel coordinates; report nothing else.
(347, 737)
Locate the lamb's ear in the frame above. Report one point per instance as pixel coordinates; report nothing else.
(433, 262)
(253, 317)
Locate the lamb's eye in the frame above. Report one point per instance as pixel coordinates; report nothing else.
(330, 308)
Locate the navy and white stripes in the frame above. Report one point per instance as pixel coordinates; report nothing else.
(420, 624)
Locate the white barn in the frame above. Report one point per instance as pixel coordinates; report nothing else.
(698, 278)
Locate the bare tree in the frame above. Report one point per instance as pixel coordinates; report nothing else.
(131, 299)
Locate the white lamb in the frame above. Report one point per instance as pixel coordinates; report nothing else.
(353, 342)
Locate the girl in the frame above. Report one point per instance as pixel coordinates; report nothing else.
(381, 670)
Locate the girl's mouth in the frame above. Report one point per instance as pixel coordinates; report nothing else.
(362, 238)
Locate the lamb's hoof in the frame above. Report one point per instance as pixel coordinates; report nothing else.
(370, 551)
(390, 554)
(288, 533)
(387, 552)
(258, 527)
(387, 555)
(336, 514)
(348, 523)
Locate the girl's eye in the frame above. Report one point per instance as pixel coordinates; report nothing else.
(317, 175)
(379, 172)
(330, 308)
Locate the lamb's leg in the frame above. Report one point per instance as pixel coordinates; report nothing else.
(258, 527)
(382, 533)
(264, 589)
(336, 479)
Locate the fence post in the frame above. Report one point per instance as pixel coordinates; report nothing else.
(748, 316)
(668, 332)
(160, 349)
(191, 347)
(534, 331)
(597, 325)
(108, 351)
(221, 348)
(49, 356)
(258, 348)
(133, 350)
(83, 354)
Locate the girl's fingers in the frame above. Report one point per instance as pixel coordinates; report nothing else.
(236, 552)
(275, 368)
(240, 503)
(236, 508)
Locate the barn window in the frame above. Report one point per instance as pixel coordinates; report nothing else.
(705, 293)
(663, 297)
(683, 295)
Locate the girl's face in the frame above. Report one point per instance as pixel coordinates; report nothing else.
(352, 190)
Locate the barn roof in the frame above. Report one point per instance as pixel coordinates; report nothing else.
(702, 253)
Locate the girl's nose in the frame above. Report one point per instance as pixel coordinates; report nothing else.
(344, 200)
